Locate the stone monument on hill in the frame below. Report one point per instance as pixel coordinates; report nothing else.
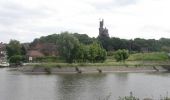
(103, 32)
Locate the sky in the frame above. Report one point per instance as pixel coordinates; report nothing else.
(25, 20)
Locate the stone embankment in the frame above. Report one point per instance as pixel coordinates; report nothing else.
(91, 69)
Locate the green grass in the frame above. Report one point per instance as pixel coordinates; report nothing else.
(111, 64)
(135, 60)
(154, 56)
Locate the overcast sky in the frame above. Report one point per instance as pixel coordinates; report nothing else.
(25, 20)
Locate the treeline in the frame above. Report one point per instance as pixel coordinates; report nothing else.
(70, 47)
(137, 45)
(114, 43)
(74, 47)
(54, 38)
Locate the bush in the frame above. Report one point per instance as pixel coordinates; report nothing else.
(17, 59)
(90, 53)
(96, 53)
(121, 55)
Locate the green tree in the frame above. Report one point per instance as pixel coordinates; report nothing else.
(14, 48)
(68, 45)
(121, 55)
(96, 53)
(81, 53)
(83, 38)
(105, 42)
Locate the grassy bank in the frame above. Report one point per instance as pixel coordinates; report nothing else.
(154, 56)
(111, 64)
(134, 60)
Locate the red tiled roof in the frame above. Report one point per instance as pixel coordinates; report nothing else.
(34, 53)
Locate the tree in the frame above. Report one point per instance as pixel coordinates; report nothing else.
(14, 48)
(83, 38)
(96, 53)
(68, 45)
(81, 53)
(121, 55)
(105, 42)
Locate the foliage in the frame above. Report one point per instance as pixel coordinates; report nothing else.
(67, 46)
(121, 55)
(138, 44)
(81, 53)
(105, 42)
(47, 39)
(84, 38)
(75, 47)
(131, 97)
(74, 51)
(17, 59)
(15, 52)
(13, 48)
(90, 53)
(54, 38)
(113, 43)
(97, 53)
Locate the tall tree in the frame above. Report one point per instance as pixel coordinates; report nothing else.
(67, 45)
(105, 42)
(14, 48)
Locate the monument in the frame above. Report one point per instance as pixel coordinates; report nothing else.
(103, 32)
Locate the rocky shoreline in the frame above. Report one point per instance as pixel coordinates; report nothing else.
(91, 69)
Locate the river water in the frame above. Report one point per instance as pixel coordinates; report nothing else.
(18, 86)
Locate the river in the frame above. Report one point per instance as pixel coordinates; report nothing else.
(18, 86)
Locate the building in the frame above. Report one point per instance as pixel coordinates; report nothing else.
(33, 54)
(39, 50)
(103, 32)
(48, 49)
(3, 54)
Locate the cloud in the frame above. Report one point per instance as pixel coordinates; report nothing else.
(25, 20)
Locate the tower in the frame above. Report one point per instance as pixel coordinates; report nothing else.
(103, 32)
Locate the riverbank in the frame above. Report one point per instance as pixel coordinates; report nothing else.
(91, 69)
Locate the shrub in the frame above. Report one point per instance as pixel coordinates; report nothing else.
(131, 97)
(17, 59)
(121, 55)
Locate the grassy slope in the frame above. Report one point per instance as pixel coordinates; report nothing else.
(154, 56)
(139, 59)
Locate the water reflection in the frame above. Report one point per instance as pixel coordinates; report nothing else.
(18, 86)
(81, 86)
